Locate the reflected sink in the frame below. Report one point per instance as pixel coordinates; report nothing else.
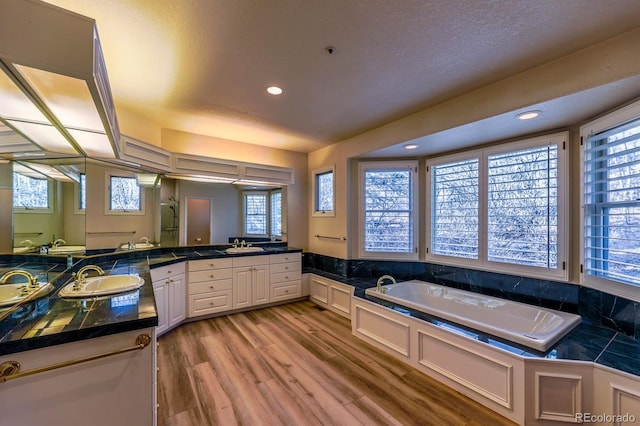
(67, 250)
(238, 250)
(138, 246)
(10, 294)
(102, 285)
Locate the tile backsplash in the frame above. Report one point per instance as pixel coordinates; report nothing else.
(595, 307)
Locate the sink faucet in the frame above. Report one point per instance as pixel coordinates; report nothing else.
(235, 243)
(81, 276)
(28, 243)
(381, 279)
(242, 243)
(57, 242)
(32, 281)
(144, 240)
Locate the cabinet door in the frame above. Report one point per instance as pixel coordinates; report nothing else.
(177, 292)
(162, 305)
(241, 287)
(260, 285)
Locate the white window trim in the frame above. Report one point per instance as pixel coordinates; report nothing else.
(615, 118)
(362, 253)
(107, 200)
(270, 215)
(76, 198)
(314, 192)
(267, 213)
(562, 272)
(51, 200)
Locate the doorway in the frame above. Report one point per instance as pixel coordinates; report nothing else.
(199, 220)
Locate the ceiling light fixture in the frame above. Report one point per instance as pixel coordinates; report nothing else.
(528, 115)
(410, 146)
(274, 90)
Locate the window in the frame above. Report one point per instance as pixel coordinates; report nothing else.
(255, 213)
(324, 192)
(125, 196)
(31, 194)
(82, 192)
(388, 210)
(455, 207)
(276, 213)
(501, 208)
(611, 200)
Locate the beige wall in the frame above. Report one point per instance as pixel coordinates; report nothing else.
(592, 67)
(6, 208)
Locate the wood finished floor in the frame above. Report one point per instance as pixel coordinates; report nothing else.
(296, 364)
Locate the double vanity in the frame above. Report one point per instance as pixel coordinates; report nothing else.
(88, 341)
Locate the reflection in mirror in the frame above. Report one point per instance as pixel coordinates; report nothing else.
(48, 206)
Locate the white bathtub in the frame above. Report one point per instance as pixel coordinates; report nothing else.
(528, 325)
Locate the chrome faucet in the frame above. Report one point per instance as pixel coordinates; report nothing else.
(32, 281)
(235, 243)
(57, 242)
(242, 243)
(144, 240)
(81, 275)
(381, 279)
(28, 243)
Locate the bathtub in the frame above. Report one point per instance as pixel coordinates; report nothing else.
(527, 325)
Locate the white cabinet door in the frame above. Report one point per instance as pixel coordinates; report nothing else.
(242, 287)
(260, 285)
(177, 291)
(162, 305)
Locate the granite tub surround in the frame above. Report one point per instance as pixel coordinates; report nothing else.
(608, 334)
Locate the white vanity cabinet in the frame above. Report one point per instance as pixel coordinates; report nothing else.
(285, 276)
(117, 389)
(210, 286)
(250, 281)
(169, 289)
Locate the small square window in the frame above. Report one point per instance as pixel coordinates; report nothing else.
(124, 194)
(324, 192)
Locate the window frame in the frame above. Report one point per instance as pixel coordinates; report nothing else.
(413, 166)
(108, 195)
(51, 199)
(315, 191)
(77, 194)
(271, 194)
(482, 263)
(267, 213)
(614, 119)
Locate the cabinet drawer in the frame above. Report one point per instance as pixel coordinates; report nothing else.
(167, 271)
(209, 303)
(286, 257)
(210, 275)
(204, 287)
(290, 290)
(202, 264)
(285, 276)
(250, 261)
(285, 267)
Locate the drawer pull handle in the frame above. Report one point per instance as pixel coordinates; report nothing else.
(211, 303)
(286, 277)
(168, 272)
(211, 287)
(212, 276)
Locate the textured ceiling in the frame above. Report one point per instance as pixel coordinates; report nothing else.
(203, 66)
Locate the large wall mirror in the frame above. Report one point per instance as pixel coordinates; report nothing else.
(74, 205)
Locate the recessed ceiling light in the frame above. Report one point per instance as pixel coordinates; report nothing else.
(528, 115)
(410, 146)
(274, 90)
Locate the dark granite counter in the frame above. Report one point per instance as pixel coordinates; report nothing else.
(53, 320)
(586, 342)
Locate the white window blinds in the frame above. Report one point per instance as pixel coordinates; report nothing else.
(612, 204)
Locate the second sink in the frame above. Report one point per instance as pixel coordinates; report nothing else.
(102, 286)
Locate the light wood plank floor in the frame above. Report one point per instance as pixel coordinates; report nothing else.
(296, 364)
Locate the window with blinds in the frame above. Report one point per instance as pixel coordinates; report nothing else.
(611, 182)
(276, 213)
(522, 207)
(500, 208)
(455, 208)
(255, 213)
(388, 209)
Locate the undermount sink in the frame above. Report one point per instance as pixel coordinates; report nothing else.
(102, 286)
(10, 294)
(239, 250)
(67, 250)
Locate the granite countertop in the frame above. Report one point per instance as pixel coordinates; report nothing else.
(586, 342)
(53, 320)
